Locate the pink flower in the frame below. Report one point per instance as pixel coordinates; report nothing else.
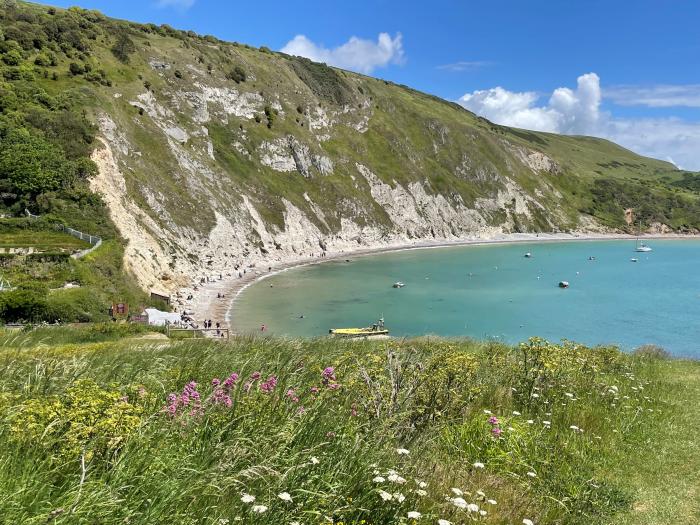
(230, 380)
(496, 431)
(315, 390)
(255, 375)
(269, 385)
(493, 420)
(292, 396)
(215, 382)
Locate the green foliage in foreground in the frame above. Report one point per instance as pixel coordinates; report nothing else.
(143, 431)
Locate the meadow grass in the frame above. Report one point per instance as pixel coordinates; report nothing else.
(105, 426)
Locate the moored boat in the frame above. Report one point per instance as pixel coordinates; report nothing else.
(563, 284)
(398, 284)
(377, 329)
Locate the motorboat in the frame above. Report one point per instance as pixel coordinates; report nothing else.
(398, 284)
(376, 329)
(563, 284)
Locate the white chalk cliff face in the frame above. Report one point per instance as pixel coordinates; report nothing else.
(188, 210)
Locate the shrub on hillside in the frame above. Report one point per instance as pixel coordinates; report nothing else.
(237, 74)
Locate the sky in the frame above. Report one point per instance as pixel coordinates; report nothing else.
(623, 70)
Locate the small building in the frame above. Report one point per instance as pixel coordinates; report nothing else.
(160, 297)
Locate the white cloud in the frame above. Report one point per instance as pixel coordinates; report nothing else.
(177, 4)
(356, 54)
(465, 65)
(661, 96)
(578, 112)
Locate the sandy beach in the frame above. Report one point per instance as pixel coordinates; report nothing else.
(206, 305)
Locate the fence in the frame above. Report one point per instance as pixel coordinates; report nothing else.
(93, 240)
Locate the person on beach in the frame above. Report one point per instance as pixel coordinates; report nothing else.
(263, 328)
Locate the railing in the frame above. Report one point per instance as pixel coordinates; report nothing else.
(93, 240)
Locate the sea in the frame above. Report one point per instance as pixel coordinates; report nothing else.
(494, 292)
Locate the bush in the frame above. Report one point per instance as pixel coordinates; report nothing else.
(178, 73)
(123, 48)
(237, 74)
(652, 352)
(76, 69)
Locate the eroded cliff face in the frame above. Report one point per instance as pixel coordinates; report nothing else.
(205, 177)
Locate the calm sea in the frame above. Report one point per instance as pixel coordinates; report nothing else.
(494, 292)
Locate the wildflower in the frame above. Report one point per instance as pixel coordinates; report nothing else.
(315, 390)
(530, 421)
(399, 497)
(215, 382)
(574, 428)
(478, 465)
(421, 484)
(384, 495)
(459, 503)
(421, 492)
(516, 413)
(259, 508)
(493, 420)
(569, 395)
(328, 373)
(379, 479)
(535, 395)
(532, 474)
(473, 507)
(496, 431)
(457, 492)
(488, 412)
(395, 478)
(444, 522)
(247, 498)
(491, 501)
(414, 515)
(402, 452)
(353, 410)
(301, 411)
(480, 493)
(483, 512)
(314, 460)
(284, 496)
(292, 395)
(268, 385)
(546, 423)
(334, 386)
(528, 522)
(230, 380)
(255, 376)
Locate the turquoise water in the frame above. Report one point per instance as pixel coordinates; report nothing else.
(494, 292)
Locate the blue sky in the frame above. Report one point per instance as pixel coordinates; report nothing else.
(623, 70)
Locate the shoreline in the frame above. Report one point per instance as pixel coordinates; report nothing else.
(206, 305)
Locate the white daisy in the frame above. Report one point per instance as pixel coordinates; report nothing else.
(284, 496)
(457, 492)
(414, 515)
(259, 508)
(378, 479)
(473, 507)
(460, 503)
(385, 495)
(247, 498)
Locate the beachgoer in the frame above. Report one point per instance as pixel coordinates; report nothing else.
(263, 328)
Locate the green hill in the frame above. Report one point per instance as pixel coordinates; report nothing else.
(194, 154)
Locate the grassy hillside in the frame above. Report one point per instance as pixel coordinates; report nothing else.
(106, 426)
(156, 136)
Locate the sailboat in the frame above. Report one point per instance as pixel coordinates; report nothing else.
(641, 247)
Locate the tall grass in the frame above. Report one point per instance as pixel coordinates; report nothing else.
(317, 431)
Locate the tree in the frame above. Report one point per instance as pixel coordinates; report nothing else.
(123, 48)
(76, 69)
(32, 165)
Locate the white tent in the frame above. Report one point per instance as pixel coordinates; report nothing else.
(158, 318)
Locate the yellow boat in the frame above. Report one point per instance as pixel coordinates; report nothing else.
(376, 329)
